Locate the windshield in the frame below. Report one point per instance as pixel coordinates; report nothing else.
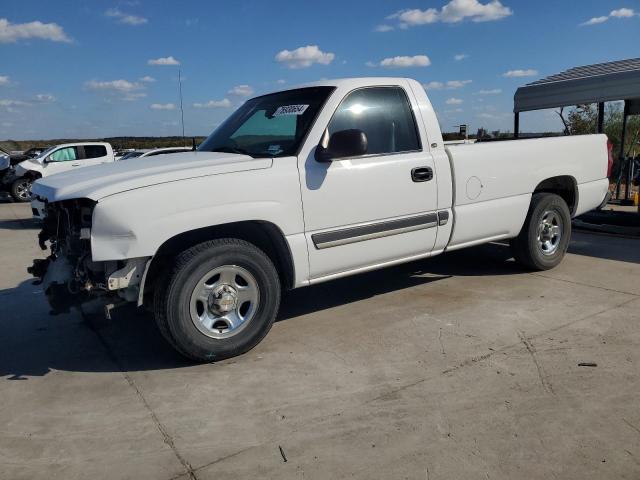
(45, 152)
(131, 155)
(273, 125)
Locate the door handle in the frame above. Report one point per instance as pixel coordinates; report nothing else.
(422, 174)
(75, 164)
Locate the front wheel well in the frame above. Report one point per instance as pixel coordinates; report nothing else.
(32, 175)
(564, 186)
(264, 235)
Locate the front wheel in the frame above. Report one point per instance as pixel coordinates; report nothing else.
(219, 300)
(21, 189)
(545, 235)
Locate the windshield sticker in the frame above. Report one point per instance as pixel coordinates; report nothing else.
(290, 110)
(274, 149)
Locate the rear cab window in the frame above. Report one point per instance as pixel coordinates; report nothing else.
(95, 151)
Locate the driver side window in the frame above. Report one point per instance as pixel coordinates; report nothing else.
(383, 114)
(64, 155)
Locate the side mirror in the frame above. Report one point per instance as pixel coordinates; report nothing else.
(345, 143)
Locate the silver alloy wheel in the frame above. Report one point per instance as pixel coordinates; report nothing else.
(224, 301)
(549, 232)
(23, 190)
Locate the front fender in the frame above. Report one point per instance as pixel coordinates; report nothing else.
(135, 223)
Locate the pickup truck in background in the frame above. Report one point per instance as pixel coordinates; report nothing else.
(57, 159)
(299, 187)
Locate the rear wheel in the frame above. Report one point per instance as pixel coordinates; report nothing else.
(21, 189)
(219, 300)
(546, 232)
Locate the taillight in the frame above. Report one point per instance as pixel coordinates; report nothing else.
(610, 160)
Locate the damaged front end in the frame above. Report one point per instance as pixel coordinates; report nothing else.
(69, 276)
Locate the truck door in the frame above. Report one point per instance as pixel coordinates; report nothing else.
(61, 160)
(374, 208)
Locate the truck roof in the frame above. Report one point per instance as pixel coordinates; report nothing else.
(350, 82)
(75, 144)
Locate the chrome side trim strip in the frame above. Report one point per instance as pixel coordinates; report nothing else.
(375, 230)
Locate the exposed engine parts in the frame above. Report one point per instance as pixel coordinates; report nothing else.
(68, 275)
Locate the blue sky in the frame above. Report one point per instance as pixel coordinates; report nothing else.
(106, 68)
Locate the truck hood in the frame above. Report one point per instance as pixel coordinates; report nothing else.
(108, 179)
(31, 165)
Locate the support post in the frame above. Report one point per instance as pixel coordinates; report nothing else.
(626, 168)
(516, 125)
(601, 117)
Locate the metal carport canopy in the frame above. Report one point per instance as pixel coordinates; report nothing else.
(602, 82)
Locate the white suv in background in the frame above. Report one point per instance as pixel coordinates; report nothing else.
(58, 159)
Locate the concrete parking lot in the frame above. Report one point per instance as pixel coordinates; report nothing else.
(459, 367)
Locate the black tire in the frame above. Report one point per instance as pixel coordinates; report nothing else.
(21, 189)
(172, 300)
(527, 248)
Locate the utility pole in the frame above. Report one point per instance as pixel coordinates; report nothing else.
(181, 108)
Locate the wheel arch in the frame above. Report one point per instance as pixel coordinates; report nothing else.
(564, 186)
(32, 175)
(265, 235)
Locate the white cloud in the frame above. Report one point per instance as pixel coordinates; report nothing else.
(125, 18)
(371, 64)
(128, 90)
(162, 106)
(433, 86)
(454, 101)
(450, 85)
(453, 12)
(460, 56)
(281, 81)
(304, 57)
(13, 103)
(453, 84)
(224, 103)
(494, 91)
(45, 98)
(241, 91)
(383, 28)
(619, 13)
(530, 72)
(163, 61)
(12, 32)
(405, 61)
(4, 80)
(595, 21)
(147, 79)
(623, 13)
(116, 85)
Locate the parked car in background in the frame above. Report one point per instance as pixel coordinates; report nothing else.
(152, 152)
(58, 159)
(295, 188)
(5, 164)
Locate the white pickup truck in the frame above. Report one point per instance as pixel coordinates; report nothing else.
(58, 159)
(298, 187)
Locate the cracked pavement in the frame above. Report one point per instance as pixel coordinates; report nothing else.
(462, 366)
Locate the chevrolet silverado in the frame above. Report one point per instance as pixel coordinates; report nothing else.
(299, 187)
